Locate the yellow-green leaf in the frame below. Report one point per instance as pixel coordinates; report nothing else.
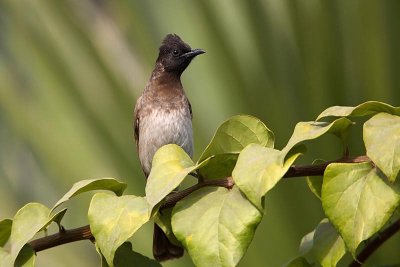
(170, 166)
(364, 109)
(382, 141)
(358, 200)
(90, 185)
(114, 219)
(216, 225)
(230, 138)
(259, 168)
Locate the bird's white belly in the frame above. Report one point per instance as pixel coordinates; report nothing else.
(161, 128)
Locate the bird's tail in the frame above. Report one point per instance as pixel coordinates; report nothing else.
(163, 249)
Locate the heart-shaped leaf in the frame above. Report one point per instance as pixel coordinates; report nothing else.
(364, 109)
(216, 225)
(29, 220)
(382, 141)
(259, 168)
(358, 200)
(230, 138)
(312, 130)
(114, 219)
(170, 166)
(90, 185)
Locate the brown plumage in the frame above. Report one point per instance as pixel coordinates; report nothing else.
(163, 115)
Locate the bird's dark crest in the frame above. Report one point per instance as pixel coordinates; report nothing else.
(174, 41)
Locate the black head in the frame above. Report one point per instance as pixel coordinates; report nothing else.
(175, 55)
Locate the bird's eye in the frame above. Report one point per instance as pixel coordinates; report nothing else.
(175, 52)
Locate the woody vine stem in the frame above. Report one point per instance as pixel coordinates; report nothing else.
(83, 233)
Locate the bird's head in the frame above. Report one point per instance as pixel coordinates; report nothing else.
(175, 55)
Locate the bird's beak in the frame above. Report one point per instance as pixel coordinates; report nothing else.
(193, 53)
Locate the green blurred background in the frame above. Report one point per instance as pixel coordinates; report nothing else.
(70, 73)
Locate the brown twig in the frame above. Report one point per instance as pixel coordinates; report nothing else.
(375, 243)
(62, 237)
(84, 233)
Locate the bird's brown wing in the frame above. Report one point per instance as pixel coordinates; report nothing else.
(190, 108)
(136, 121)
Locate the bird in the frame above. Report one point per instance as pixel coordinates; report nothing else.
(163, 115)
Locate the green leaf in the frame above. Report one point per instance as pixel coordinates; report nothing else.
(315, 182)
(5, 231)
(58, 217)
(26, 257)
(364, 109)
(170, 166)
(382, 141)
(259, 168)
(90, 185)
(216, 225)
(114, 219)
(358, 200)
(298, 262)
(312, 130)
(230, 138)
(125, 256)
(324, 245)
(29, 220)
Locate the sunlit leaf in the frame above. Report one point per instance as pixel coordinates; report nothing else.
(312, 130)
(364, 109)
(382, 141)
(358, 200)
(170, 166)
(324, 245)
(114, 219)
(5, 231)
(259, 168)
(29, 220)
(90, 185)
(230, 138)
(26, 257)
(216, 225)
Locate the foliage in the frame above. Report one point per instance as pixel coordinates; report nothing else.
(216, 224)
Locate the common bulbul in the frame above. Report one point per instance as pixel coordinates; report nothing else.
(162, 116)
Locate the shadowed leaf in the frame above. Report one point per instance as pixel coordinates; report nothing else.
(5, 231)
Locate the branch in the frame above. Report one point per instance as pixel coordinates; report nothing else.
(375, 243)
(62, 237)
(83, 233)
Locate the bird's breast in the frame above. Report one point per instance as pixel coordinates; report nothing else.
(162, 126)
